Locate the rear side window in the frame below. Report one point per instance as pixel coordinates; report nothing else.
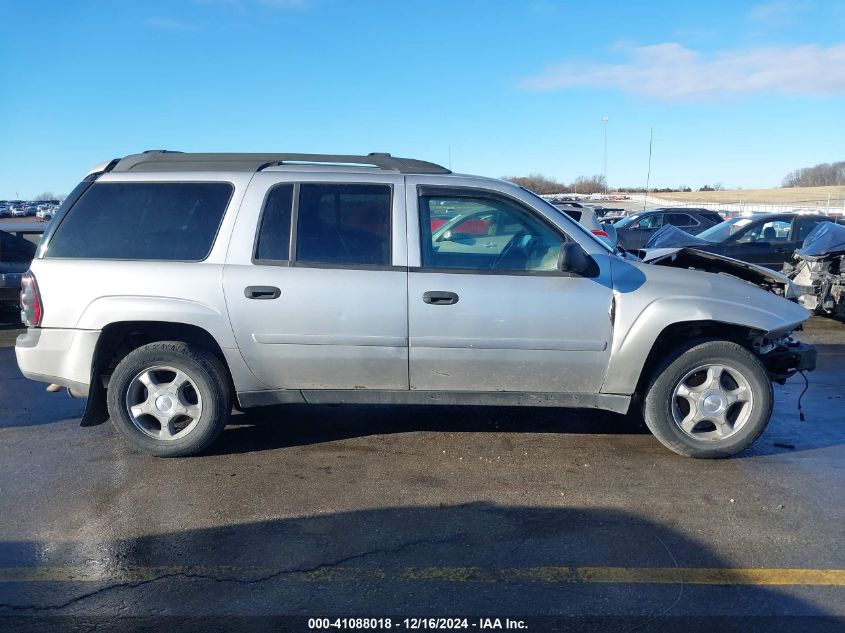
(143, 221)
(679, 219)
(343, 224)
(805, 225)
(273, 243)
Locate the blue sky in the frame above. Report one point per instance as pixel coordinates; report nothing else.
(738, 93)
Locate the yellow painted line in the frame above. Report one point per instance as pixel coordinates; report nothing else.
(538, 575)
(634, 575)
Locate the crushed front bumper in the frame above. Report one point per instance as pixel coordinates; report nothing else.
(785, 360)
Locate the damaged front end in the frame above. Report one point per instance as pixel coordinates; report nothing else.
(694, 259)
(819, 272)
(783, 356)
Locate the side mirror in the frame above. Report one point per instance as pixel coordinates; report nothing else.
(573, 258)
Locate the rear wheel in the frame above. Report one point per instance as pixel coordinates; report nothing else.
(709, 399)
(169, 399)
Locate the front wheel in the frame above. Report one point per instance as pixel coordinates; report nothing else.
(709, 399)
(169, 399)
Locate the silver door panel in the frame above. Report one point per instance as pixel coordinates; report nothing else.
(509, 333)
(329, 329)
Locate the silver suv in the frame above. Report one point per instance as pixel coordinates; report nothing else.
(171, 287)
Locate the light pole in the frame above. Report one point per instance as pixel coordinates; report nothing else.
(604, 120)
(648, 175)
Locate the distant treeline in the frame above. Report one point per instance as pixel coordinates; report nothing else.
(540, 184)
(822, 175)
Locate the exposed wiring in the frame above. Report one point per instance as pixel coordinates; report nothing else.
(806, 386)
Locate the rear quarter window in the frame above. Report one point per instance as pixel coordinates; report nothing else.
(711, 216)
(143, 221)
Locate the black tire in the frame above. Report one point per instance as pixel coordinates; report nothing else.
(209, 377)
(658, 404)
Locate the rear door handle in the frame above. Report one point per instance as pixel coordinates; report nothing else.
(262, 292)
(440, 298)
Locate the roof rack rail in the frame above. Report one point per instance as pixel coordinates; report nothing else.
(166, 160)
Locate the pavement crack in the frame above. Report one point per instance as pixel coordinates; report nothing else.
(134, 584)
(680, 589)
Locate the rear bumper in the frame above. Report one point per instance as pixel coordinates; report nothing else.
(58, 356)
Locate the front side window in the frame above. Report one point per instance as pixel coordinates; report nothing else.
(143, 221)
(343, 224)
(648, 222)
(483, 233)
(774, 231)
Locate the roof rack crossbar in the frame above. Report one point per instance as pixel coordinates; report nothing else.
(164, 160)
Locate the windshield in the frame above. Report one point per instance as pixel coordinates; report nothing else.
(724, 230)
(621, 224)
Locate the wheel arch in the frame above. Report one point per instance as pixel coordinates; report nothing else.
(119, 338)
(676, 334)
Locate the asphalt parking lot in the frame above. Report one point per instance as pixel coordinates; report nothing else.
(403, 512)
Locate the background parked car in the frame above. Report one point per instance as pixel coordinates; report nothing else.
(17, 248)
(587, 218)
(633, 232)
(611, 219)
(45, 213)
(768, 239)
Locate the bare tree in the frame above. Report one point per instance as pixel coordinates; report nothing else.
(538, 183)
(589, 184)
(820, 175)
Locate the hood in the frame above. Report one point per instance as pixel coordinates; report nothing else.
(827, 238)
(693, 258)
(671, 236)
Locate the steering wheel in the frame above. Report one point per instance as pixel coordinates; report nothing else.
(509, 248)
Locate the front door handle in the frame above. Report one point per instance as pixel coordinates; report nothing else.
(262, 292)
(440, 298)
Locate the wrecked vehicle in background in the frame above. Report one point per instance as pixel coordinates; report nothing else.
(819, 273)
(764, 239)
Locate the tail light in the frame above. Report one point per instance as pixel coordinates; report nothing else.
(31, 308)
(600, 233)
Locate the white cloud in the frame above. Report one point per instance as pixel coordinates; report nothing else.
(671, 71)
(777, 12)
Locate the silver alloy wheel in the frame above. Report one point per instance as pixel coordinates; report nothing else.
(163, 403)
(712, 402)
